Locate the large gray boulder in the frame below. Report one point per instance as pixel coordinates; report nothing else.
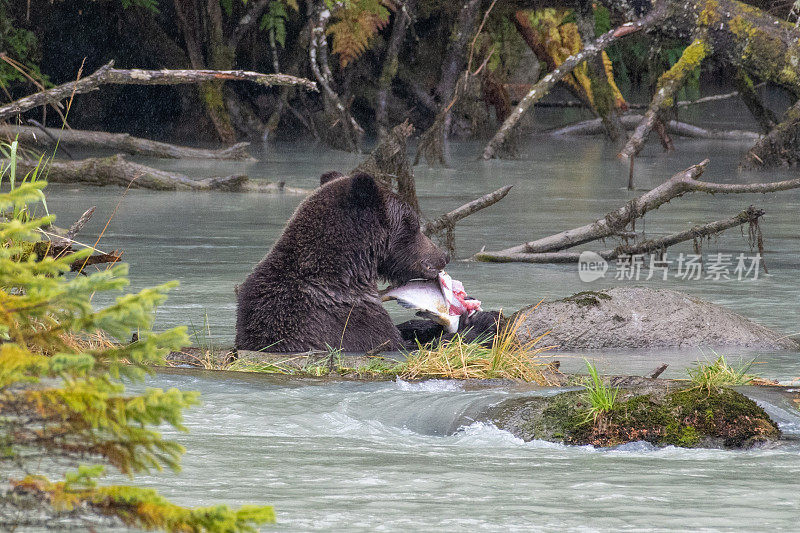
(637, 317)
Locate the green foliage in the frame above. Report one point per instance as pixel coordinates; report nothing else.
(64, 399)
(601, 398)
(20, 45)
(716, 374)
(8, 172)
(274, 20)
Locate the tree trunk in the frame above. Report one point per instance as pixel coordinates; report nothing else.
(781, 147)
(603, 99)
(433, 143)
(764, 116)
(402, 19)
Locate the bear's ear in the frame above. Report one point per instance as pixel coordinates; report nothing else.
(364, 192)
(329, 176)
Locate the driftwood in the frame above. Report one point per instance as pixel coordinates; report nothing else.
(679, 103)
(549, 249)
(750, 215)
(106, 75)
(59, 243)
(683, 129)
(544, 85)
(120, 142)
(388, 163)
(116, 170)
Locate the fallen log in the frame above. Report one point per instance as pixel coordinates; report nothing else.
(679, 103)
(120, 142)
(750, 215)
(674, 127)
(106, 75)
(116, 170)
(540, 89)
(616, 222)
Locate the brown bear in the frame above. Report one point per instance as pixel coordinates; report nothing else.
(318, 286)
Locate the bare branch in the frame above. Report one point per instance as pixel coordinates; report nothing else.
(106, 75)
(448, 219)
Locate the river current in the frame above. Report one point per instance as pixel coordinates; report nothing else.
(399, 457)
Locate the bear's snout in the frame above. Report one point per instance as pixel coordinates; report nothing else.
(433, 266)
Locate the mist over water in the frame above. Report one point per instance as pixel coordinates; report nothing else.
(398, 456)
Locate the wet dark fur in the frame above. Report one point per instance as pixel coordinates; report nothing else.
(318, 286)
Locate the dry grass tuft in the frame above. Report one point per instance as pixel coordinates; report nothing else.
(507, 358)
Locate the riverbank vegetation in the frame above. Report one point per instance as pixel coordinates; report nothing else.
(65, 414)
(337, 71)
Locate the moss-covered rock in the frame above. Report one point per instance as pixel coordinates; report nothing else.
(660, 414)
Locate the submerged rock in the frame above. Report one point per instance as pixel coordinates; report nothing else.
(637, 317)
(660, 413)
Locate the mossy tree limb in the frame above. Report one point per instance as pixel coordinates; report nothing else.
(497, 144)
(668, 84)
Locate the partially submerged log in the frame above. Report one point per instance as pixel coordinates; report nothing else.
(674, 127)
(59, 243)
(751, 216)
(116, 170)
(107, 74)
(615, 223)
(120, 142)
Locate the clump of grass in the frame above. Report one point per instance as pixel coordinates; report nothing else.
(456, 358)
(601, 397)
(716, 374)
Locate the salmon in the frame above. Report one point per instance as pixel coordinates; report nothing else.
(442, 300)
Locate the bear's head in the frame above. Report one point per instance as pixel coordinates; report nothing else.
(406, 253)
